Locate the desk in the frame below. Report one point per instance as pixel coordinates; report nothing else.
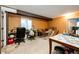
(65, 40)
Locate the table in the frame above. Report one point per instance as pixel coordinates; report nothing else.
(65, 40)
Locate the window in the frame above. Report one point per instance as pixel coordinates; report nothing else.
(78, 24)
(26, 22)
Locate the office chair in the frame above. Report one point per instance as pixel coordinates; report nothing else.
(20, 34)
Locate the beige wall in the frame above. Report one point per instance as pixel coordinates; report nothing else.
(61, 22)
(15, 20)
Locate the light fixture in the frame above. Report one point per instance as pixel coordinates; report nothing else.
(68, 15)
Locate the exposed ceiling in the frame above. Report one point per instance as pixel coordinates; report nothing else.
(47, 10)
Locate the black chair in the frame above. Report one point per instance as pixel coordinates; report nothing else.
(20, 34)
(59, 50)
(63, 50)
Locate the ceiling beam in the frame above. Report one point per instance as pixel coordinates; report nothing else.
(24, 13)
(28, 14)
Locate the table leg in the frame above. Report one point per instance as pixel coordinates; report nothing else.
(50, 46)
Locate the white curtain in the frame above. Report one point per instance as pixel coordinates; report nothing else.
(26, 22)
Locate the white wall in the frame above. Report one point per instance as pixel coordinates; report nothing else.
(3, 22)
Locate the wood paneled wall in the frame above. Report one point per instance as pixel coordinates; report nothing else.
(61, 23)
(39, 23)
(15, 20)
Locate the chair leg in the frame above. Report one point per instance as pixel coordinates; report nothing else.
(18, 43)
